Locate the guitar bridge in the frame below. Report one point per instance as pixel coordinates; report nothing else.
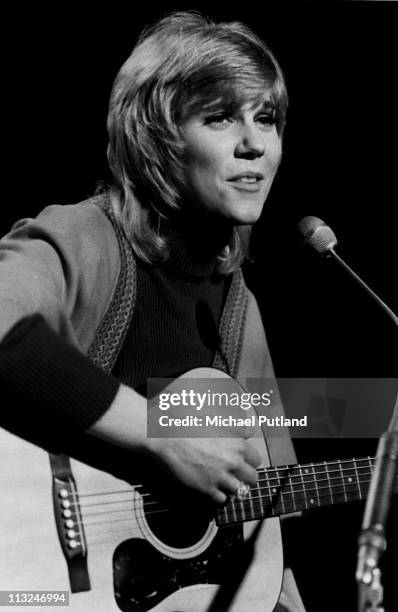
(69, 523)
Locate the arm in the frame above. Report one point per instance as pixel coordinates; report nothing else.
(74, 394)
(44, 270)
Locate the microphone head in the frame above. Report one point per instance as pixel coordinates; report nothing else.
(317, 234)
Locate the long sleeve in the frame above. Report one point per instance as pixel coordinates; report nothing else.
(57, 277)
(41, 369)
(64, 265)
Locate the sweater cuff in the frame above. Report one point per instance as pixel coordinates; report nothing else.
(64, 387)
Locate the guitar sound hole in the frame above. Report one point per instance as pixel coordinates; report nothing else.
(178, 528)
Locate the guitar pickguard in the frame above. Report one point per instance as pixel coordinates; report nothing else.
(143, 576)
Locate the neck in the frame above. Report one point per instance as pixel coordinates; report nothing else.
(203, 237)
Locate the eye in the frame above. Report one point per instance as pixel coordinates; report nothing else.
(219, 120)
(266, 119)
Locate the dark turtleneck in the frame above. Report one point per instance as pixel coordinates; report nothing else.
(177, 311)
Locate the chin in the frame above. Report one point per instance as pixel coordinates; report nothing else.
(247, 217)
(246, 221)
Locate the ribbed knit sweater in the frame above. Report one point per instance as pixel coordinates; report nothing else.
(176, 318)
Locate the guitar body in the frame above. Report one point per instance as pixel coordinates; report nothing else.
(158, 565)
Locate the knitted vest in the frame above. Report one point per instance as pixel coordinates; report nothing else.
(112, 331)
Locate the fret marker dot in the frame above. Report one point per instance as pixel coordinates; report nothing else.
(350, 479)
(306, 471)
(273, 490)
(311, 501)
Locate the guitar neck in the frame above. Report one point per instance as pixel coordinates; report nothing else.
(293, 488)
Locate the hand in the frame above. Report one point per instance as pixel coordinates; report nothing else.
(213, 466)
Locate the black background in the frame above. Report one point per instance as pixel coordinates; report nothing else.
(340, 61)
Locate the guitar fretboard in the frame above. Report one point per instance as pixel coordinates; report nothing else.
(282, 490)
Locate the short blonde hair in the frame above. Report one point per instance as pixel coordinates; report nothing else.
(181, 64)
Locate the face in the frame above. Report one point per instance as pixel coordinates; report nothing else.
(231, 161)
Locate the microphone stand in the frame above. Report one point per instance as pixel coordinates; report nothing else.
(372, 540)
(336, 256)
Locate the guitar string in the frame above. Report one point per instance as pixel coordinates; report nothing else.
(255, 489)
(261, 471)
(287, 481)
(119, 501)
(321, 497)
(270, 495)
(258, 501)
(131, 531)
(258, 498)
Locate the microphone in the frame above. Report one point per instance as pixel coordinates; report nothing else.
(321, 237)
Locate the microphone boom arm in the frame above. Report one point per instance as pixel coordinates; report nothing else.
(359, 280)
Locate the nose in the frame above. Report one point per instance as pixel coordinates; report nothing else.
(250, 144)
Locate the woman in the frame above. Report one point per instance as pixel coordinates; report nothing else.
(145, 277)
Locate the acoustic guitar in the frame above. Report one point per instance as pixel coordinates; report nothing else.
(116, 546)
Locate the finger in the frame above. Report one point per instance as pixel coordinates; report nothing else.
(251, 455)
(230, 484)
(247, 474)
(219, 497)
(248, 432)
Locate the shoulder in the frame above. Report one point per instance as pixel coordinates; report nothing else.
(66, 260)
(80, 234)
(81, 224)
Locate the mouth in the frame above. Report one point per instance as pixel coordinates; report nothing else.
(247, 181)
(247, 177)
